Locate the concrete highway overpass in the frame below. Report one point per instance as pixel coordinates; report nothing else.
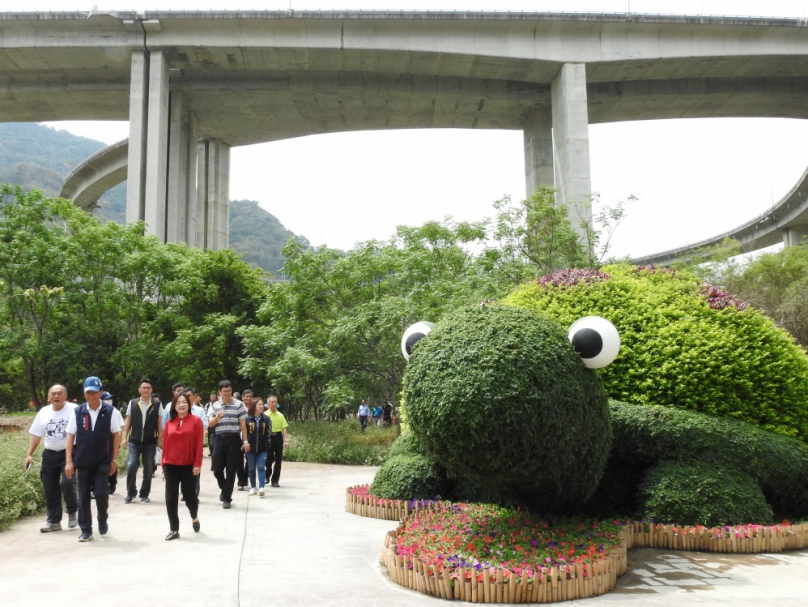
(192, 85)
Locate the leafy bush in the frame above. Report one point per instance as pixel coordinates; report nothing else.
(338, 443)
(405, 444)
(496, 393)
(701, 493)
(21, 492)
(680, 351)
(408, 477)
(646, 435)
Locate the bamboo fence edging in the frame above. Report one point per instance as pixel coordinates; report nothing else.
(577, 581)
(547, 585)
(388, 510)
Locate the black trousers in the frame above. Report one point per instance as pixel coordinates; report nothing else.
(180, 477)
(93, 480)
(227, 458)
(275, 458)
(57, 485)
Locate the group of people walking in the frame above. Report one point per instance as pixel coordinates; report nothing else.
(381, 414)
(82, 442)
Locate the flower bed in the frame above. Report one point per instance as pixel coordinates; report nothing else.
(483, 553)
(487, 554)
(358, 500)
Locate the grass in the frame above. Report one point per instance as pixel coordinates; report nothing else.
(339, 443)
(21, 492)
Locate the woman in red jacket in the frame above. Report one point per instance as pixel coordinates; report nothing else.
(182, 461)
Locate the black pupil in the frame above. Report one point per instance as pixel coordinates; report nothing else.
(412, 340)
(587, 342)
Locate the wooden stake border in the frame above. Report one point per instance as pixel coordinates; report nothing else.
(388, 510)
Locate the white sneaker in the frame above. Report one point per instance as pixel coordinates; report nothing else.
(252, 491)
(261, 492)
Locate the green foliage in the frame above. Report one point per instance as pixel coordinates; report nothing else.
(678, 351)
(480, 491)
(407, 477)
(645, 435)
(700, 493)
(338, 443)
(21, 492)
(330, 335)
(495, 393)
(405, 444)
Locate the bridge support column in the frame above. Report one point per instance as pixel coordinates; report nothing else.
(157, 146)
(181, 192)
(138, 119)
(794, 235)
(213, 195)
(538, 136)
(571, 144)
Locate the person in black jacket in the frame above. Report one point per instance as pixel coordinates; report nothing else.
(97, 436)
(259, 431)
(144, 419)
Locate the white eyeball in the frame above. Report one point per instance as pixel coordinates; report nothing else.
(413, 334)
(596, 340)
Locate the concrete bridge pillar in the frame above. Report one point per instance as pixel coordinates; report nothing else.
(181, 190)
(794, 235)
(138, 120)
(213, 195)
(538, 137)
(571, 143)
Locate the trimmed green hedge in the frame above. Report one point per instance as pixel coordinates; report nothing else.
(407, 477)
(645, 435)
(405, 444)
(677, 350)
(701, 493)
(498, 394)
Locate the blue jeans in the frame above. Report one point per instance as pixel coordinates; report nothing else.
(259, 461)
(132, 465)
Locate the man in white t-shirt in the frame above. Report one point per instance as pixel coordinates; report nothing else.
(51, 424)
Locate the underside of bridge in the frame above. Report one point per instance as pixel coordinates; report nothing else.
(193, 85)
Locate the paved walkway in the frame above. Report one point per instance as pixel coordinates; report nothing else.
(299, 546)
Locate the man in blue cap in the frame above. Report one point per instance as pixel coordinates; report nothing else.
(96, 432)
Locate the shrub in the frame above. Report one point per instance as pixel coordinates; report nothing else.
(21, 493)
(498, 394)
(405, 444)
(338, 443)
(701, 493)
(645, 435)
(685, 345)
(405, 477)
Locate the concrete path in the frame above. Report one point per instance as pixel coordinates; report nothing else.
(298, 546)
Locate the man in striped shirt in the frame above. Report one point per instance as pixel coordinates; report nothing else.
(228, 416)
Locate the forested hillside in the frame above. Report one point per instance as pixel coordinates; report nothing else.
(37, 156)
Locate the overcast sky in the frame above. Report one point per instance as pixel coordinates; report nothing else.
(694, 178)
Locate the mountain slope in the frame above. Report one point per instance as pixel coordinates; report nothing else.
(37, 156)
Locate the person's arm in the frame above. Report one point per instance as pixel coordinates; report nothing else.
(116, 447)
(198, 440)
(246, 445)
(215, 419)
(69, 469)
(285, 435)
(160, 426)
(32, 445)
(127, 426)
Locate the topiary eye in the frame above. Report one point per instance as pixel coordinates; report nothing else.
(413, 334)
(596, 340)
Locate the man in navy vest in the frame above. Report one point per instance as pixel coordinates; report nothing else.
(144, 418)
(93, 440)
